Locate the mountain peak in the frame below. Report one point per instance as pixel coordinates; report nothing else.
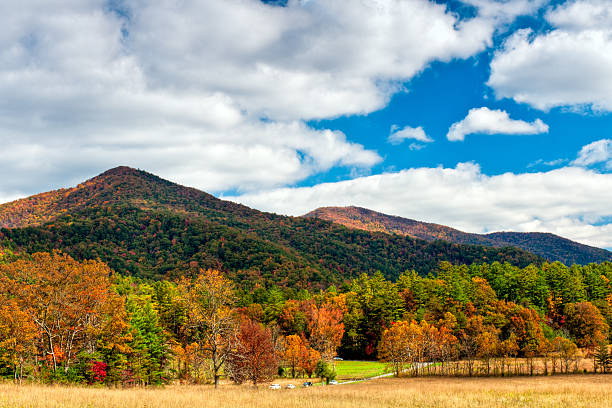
(121, 186)
(118, 185)
(126, 173)
(121, 171)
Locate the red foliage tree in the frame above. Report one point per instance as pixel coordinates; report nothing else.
(254, 358)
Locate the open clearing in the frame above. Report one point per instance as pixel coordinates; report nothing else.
(562, 391)
(350, 369)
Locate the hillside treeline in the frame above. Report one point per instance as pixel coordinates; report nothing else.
(284, 251)
(77, 321)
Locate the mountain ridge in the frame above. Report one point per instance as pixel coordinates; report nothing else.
(143, 225)
(550, 246)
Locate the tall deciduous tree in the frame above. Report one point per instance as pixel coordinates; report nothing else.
(326, 329)
(293, 351)
(566, 351)
(309, 360)
(209, 302)
(586, 324)
(17, 335)
(63, 297)
(395, 345)
(254, 357)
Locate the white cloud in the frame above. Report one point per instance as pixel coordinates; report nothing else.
(549, 163)
(580, 15)
(180, 89)
(565, 201)
(398, 135)
(485, 120)
(246, 156)
(315, 59)
(596, 152)
(568, 66)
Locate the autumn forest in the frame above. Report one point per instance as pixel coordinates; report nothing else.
(62, 320)
(130, 280)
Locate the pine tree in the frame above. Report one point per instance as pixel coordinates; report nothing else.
(150, 349)
(602, 358)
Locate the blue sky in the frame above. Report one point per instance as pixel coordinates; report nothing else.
(459, 86)
(500, 110)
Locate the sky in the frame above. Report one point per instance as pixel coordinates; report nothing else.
(484, 115)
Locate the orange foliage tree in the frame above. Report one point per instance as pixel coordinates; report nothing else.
(586, 324)
(67, 301)
(17, 335)
(410, 344)
(326, 329)
(293, 351)
(395, 347)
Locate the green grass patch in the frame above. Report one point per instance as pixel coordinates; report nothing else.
(348, 369)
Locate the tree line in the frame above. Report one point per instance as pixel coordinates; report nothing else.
(63, 320)
(253, 250)
(67, 321)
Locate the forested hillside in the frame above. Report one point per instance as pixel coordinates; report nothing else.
(548, 246)
(123, 330)
(552, 247)
(145, 226)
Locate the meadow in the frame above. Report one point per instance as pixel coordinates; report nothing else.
(354, 370)
(574, 391)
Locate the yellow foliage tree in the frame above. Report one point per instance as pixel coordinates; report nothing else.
(209, 302)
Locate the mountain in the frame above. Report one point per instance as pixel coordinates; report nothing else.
(145, 226)
(368, 220)
(549, 246)
(552, 247)
(121, 185)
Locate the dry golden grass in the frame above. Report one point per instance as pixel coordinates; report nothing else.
(563, 391)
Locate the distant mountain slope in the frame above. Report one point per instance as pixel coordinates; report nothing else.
(146, 226)
(552, 247)
(548, 246)
(368, 220)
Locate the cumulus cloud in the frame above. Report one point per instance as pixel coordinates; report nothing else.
(568, 201)
(249, 155)
(485, 120)
(214, 94)
(596, 152)
(569, 66)
(398, 135)
(311, 59)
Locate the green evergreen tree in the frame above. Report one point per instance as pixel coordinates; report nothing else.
(602, 358)
(149, 344)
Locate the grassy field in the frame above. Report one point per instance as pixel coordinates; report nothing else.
(580, 391)
(348, 370)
